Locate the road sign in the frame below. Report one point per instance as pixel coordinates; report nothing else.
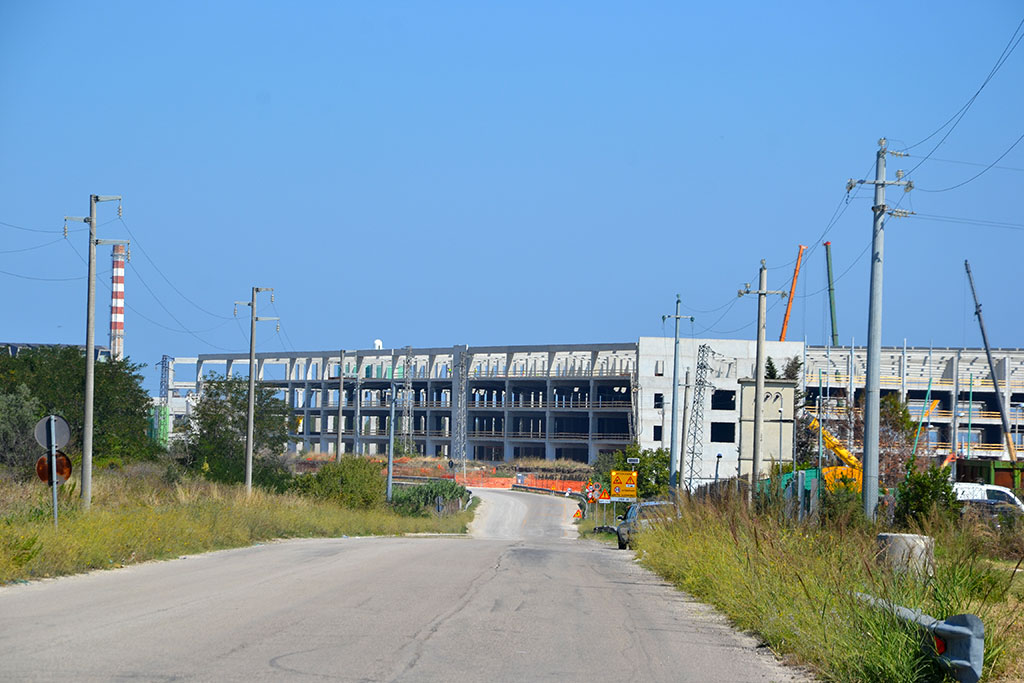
(62, 432)
(623, 487)
(632, 461)
(604, 498)
(577, 514)
(63, 468)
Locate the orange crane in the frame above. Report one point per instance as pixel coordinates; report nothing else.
(792, 290)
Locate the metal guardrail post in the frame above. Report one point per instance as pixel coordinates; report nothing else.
(959, 640)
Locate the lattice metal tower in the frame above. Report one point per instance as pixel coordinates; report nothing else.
(460, 361)
(695, 430)
(165, 376)
(408, 445)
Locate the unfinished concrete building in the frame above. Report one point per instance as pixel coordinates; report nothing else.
(965, 420)
(556, 401)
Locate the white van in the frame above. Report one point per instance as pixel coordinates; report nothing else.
(999, 494)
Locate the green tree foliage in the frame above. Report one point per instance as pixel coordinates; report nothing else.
(55, 377)
(652, 472)
(19, 412)
(920, 492)
(354, 482)
(770, 371)
(216, 437)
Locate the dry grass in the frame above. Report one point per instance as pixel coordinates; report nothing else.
(138, 515)
(795, 586)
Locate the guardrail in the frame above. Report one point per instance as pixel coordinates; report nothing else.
(959, 640)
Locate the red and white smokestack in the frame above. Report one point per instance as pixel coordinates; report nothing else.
(117, 304)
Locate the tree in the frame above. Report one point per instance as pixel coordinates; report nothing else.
(55, 376)
(652, 471)
(922, 491)
(217, 429)
(19, 412)
(770, 371)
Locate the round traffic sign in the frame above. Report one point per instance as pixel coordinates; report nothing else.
(63, 468)
(62, 432)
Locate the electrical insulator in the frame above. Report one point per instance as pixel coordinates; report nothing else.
(236, 310)
(65, 229)
(119, 209)
(279, 327)
(128, 254)
(271, 297)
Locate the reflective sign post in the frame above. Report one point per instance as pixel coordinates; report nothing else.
(52, 432)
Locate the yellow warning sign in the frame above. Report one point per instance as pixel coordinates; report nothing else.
(577, 515)
(623, 487)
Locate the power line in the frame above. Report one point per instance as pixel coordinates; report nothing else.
(38, 246)
(837, 213)
(58, 231)
(976, 163)
(136, 242)
(959, 115)
(982, 172)
(855, 261)
(181, 328)
(168, 312)
(969, 221)
(43, 279)
(720, 318)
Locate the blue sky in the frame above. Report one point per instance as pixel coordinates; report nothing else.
(502, 173)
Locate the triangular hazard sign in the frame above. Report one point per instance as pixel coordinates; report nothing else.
(577, 515)
(616, 480)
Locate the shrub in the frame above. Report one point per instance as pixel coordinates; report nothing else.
(416, 500)
(354, 483)
(920, 492)
(841, 504)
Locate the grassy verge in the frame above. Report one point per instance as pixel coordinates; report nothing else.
(794, 585)
(138, 516)
(587, 530)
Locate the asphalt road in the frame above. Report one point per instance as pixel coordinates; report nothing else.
(520, 600)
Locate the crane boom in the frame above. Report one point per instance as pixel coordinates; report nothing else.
(835, 445)
(792, 290)
(992, 369)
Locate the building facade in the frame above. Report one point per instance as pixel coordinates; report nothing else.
(552, 401)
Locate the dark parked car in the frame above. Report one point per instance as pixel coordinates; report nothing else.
(639, 516)
(996, 512)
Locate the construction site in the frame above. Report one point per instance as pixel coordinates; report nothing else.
(574, 402)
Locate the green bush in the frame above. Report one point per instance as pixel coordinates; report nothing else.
(842, 504)
(416, 500)
(353, 483)
(921, 492)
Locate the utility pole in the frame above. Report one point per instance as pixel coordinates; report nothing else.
(340, 448)
(90, 342)
(674, 463)
(873, 378)
(253, 319)
(762, 300)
